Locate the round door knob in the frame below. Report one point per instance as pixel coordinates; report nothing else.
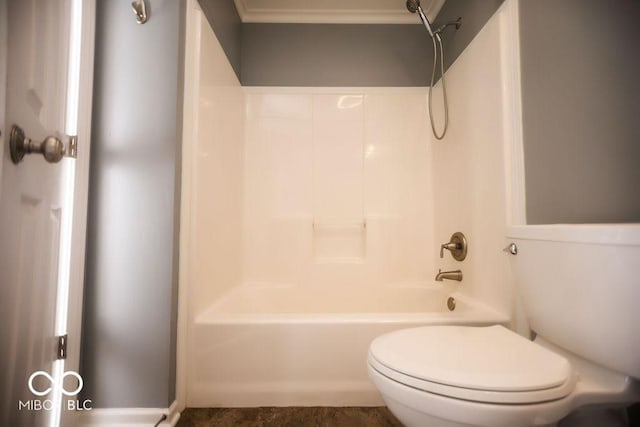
(51, 148)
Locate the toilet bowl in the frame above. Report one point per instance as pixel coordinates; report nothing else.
(579, 290)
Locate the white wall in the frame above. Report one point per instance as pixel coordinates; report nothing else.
(469, 164)
(337, 187)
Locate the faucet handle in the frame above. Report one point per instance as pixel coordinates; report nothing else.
(448, 246)
(457, 245)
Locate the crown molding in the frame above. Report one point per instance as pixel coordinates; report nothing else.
(291, 15)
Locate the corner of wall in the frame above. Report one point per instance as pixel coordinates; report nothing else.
(473, 200)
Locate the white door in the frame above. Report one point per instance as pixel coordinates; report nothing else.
(48, 64)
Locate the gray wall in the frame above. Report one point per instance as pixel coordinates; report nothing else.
(334, 55)
(581, 110)
(341, 54)
(474, 14)
(225, 21)
(128, 344)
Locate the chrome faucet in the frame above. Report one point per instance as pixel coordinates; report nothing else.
(449, 275)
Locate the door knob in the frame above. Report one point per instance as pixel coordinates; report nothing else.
(51, 148)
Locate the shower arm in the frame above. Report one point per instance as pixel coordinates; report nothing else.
(457, 23)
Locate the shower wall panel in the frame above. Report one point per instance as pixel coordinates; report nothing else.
(469, 163)
(337, 188)
(217, 194)
(338, 137)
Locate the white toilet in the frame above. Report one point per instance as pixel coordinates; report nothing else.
(580, 287)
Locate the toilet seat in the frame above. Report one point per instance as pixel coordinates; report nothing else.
(458, 362)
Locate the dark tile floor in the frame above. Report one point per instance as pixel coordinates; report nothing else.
(289, 417)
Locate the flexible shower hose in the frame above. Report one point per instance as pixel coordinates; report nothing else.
(437, 43)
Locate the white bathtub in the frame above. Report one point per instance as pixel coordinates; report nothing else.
(294, 346)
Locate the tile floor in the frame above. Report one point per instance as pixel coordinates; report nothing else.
(310, 417)
(289, 417)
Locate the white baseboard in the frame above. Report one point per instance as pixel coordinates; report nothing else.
(130, 417)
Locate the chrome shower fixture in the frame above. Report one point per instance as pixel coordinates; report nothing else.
(457, 245)
(449, 275)
(413, 6)
(457, 23)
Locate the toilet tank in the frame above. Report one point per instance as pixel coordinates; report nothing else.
(580, 289)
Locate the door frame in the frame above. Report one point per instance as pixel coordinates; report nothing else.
(81, 185)
(190, 96)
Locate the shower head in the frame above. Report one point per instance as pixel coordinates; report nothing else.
(413, 6)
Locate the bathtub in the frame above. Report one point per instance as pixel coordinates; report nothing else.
(298, 346)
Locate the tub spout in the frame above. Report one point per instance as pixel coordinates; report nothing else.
(449, 275)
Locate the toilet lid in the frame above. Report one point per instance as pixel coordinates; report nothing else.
(492, 360)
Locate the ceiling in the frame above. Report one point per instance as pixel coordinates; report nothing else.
(333, 11)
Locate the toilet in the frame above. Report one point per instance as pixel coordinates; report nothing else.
(580, 288)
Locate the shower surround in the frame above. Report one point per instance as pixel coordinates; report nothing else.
(336, 194)
(314, 218)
